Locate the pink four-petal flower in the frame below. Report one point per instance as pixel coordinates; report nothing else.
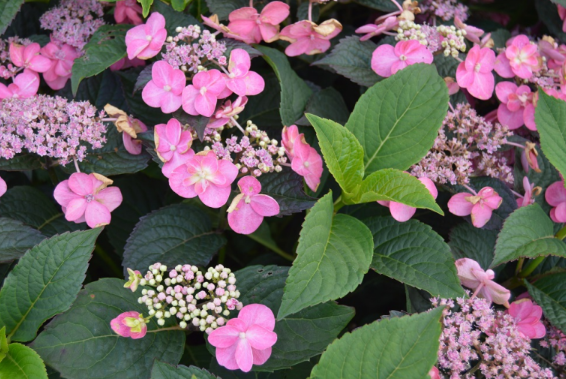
(475, 73)
(200, 98)
(165, 88)
(555, 196)
(62, 57)
(386, 60)
(145, 41)
(173, 145)
(226, 111)
(307, 162)
(516, 108)
(473, 276)
(128, 12)
(29, 57)
(402, 212)
(25, 85)
(241, 80)
(520, 58)
(480, 206)
(251, 27)
(527, 316)
(306, 37)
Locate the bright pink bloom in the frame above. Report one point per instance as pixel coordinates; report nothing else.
(434, 373)
(372, 30)
(386, 60)
(241, 80)
(85, 198)
(246, 340)
(306, 37)
(402, 212)
(25, 85)
(473, 34)
(473, 276)
(3, 187)
(62, 57)
(29, 57)
(480, 206)
(516, 108)
(555, 196)
(289, 136)
(520, 58)
(200, 98)
(475, 73)
(307, 163)
(125, 63)
(205, 176)
(129, 324)
(527, 316)
(251, 27)
(165, 88)
(248, 209)
(226, 111)
(562, 15)
(134, 278)
(145, 41)
(128, 12)
(172, 145)
(530, 190)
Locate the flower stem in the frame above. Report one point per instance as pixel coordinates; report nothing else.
(237, 125)
(310, 10)
(76, 164)
(338, 204)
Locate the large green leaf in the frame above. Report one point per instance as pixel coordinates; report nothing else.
(294, 91)
(550, 293)
(16, 239)
(173, 19)
(176, 234)
(22, 363)
(396, 348)
(162, 370)
(333, 255)
(80, 343)
(8, 10)
(45, 282)
(21, 162)
(287, 187)
(550, 115)
(223, 7)
(397, 120)
(467, 241)
(528, 232)
(327, 103)
(146, 6)
(412, 253)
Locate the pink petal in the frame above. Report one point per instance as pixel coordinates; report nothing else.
(401, 212)
(177, 80)
(4, 187)
(82, 184)
(430, 186)
(269, 33)
(301, 46)
(257, 314)
(555, 193)
(243, 219)
(502, 66)
(110, 197)
(214, 196)
(264, 205)
(75, 209)
(176, 160)
(154, 23)
(483, 86)
(133, 146)
(496, 293)
(152, 94)
(260, 338)
(177, 183)
(224, 337)
(189, 96)
(481, 214)
(62, 194)
(227, 357)
(558, 214)
(464, 78)
(170, 102)
(17, 54)
(249, 185)
(459, 206)
(28, 83)
(513, 120)
(529, 117)
(466, 268)
(239, 57)
(261, 356)
(504, 89)
(275, 12)
(244, 357)
(96, 214)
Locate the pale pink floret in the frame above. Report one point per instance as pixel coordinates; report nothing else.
(480, 206)
(372, 30)
(386, 60)
(248, 209)
(247, 340)
(29, 57)
(173, 145)
(555, 196)
(516, 108)
(474, 277)
(226, 111)
(528, 198)
(307, 162)
(129, 324)
(128, 12)
(25, 85)
(241, 80)
(306, 37)
(165, 88)
(402, 212)
(475, 73)
(289, 136)
(3, 187)
(62, 57)
(527, 316)
(520, 58)
(252, 27)
(205, 176)
(85, 198)
(201, 97)
(134, 278)
(145, 41)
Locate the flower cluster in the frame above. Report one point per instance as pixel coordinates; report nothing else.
(449, 39)
(557, 340)
(445, 9)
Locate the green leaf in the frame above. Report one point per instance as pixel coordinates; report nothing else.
(548, 13)
(8, 11)
(232, 44)
(550, 115)
(396, 348)
(21, 162)
(529, 233)
(106, 47)
(327, 103)
(561, 2)
(45, 282)
(294, 91)
(3, 343)
(22, 363)
(166, 371)
(178, 5)
(342, 152)
(380, 5)
(173, 19)
(352, 58)
(262, 285)
(172, 235)
(287, 187)
(397, 120)
(467, 241)
(146, 6)
(550, 293)
(223, 7)
(16, 239)
(80, 343)
(412, 253)
(333, 255)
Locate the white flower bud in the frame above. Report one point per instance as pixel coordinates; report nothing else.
(183, 324)
(161, 322)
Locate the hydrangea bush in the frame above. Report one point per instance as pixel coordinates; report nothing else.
(282, 189)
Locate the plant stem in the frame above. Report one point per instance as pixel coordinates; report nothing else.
(561, 233)
(338, 204)
(519, 266)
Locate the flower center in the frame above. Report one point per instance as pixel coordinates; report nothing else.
(203, 91)
(149, 38)
(242, 335)
(402, 57)
(89, 198)
(172, 147)
(306, 164)
(167, 88)
(477, 67)
(312, 37)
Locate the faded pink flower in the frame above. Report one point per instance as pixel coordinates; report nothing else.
(516, 108)
(200, 98)
(402, 212)
(133, 145)
(289, 136)
(84, 197)
(307, 163)
(133, 280)
(3, 187)
(205, 176)
(475, 73)
(473, 34)
(555, 196)
(453, 87)
(386, 60)
(306, 37)
(145, 41)
(226, 111)
(529, 158)
(248, 209)
(128, 12)
(372, 30)
(530, 191)
(252, 27)
(172, 145)
(25, 85)
(29, 57)
(520, 58)
(129, 324)
(62, 57)
(555, 54)
(247, 340)
(129, 127)
(473, 276)
(480, 206)
(527, 317)
(165, 88)
(241, 80)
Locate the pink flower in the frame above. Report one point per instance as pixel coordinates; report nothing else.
(252, 27)
(205, 176)
(241, 80)
(129, 127)
(289, 136)
(555, 54)
(85, 197)
(145, 41)
(307, 163)
(125, 63)
(562, 15)
(25, 85)
(172, 145)
(226, 111)
(248, 209)
(29, 57)
(129, 324)
(3, 187)
(555, 196)
(475, 73)
(386, 60)
(434, 373)
(516, 108)
(527, 316)
(453, 87)
(134, 280)
(529, 157)
(372, 30)
(473, 34)
(200, 98)
(62, 57)
(530, 191)
(165, 88)
(128, 12)
(306, 37)
(246, 340)
(480, 206)
(473, 276)
(520, 58)
(402, 212)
